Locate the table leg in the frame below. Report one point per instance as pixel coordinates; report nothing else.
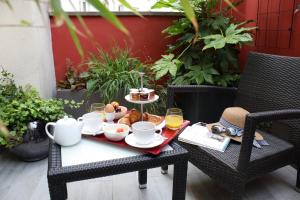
(58, 191)
(179, 180)
(164, 169)
(143, 179)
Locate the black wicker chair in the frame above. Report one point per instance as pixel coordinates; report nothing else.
(269, 89)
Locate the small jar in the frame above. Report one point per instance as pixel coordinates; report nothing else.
(135, 95)
(151, 93)
(144, 96)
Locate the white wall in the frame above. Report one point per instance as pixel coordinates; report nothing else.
(113, 5)
(27, 51)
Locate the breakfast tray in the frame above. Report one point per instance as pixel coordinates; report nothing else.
(169, 134)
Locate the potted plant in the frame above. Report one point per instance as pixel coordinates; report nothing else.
(23, 116)
(112, 74)
(207, 57)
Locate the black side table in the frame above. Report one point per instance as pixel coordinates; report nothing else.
(60, 173)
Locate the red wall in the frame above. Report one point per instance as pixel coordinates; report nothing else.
(145, 41)
(148, 43)
(279, 28)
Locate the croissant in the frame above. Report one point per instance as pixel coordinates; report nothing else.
(134, 116)
(145, 116)
(125, 120)
(155, 119)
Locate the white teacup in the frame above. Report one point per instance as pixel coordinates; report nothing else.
(92, 121)
(144, 132)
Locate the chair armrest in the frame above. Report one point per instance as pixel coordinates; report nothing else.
(275, 115)
(172, 89)
(252, 120)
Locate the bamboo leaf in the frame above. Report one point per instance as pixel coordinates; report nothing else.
(7, 2)
(231, 4)
(189, 12)
(38, 5)
(61, 15)
(127, 5)
(104, 12)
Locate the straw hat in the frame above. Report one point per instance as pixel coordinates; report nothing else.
(234, 117)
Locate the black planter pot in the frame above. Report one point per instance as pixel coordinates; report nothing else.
(205, 106)
(81, 95)
(35, 143)
(78, 96)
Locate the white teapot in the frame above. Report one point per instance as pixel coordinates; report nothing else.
(67, 131)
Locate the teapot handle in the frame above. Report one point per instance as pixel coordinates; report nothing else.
(46, 129)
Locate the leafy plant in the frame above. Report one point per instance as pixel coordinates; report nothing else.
(111, 71)
(166, 65)
(74, 80)
(209, 56)
(112, 74)
(19, 106)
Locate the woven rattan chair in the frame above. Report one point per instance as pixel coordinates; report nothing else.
(270, 90)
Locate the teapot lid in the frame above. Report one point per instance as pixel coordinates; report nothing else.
(66, 121)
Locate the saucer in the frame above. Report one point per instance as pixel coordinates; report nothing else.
(161, 125)
(158, 140)
(85, 131)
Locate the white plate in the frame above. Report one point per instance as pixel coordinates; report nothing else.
(156, 97)
(159, 126)
(130, 140)
(85, 131)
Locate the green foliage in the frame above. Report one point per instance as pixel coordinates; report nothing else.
(19, 106)
(232, 36)
(209, 56)
(110, 71)
(74, 80)
(166, 65)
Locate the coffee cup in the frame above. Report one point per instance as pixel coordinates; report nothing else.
(144, 132)
(92, 121)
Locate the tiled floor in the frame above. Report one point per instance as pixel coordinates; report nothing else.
(28, 181)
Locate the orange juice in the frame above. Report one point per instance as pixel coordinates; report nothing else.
(173, 122)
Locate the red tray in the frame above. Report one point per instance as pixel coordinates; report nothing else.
(170, 134)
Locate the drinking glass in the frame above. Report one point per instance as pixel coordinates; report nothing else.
(99, 108)
(174, 118)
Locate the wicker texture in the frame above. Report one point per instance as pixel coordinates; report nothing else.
(269, 89)
(58, 176)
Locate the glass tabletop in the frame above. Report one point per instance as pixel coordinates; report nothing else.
(89, 151)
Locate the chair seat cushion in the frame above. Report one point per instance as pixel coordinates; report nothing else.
(277, 147)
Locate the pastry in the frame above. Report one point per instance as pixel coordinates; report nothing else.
(135, 96)
(109, 108)
(125, 120)
(134, 116)
(155, 119)
(115, 104)
(151, 93)
(145, 116)
(144, 96)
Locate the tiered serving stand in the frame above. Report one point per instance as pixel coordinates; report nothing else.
(127, 97)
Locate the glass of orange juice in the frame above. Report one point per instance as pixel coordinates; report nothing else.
(174, 118)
